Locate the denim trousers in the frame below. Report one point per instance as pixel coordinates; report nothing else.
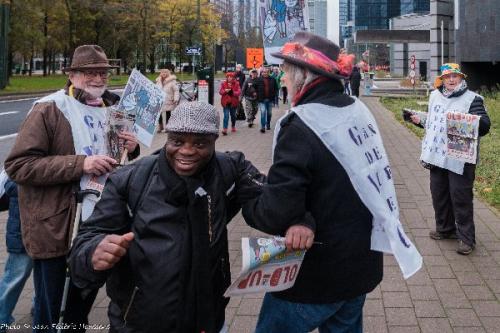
(49, 276)
(265, 108)
(229, 111)
(17, 271)
(277, 316)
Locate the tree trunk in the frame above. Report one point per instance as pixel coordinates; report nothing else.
(144, 15)
(32, 62)
(70, 30)
(152, 60)
(45, 35)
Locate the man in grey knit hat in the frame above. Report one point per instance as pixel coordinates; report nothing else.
(158, 235)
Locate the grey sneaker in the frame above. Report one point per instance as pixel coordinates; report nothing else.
(463, 248)
(441, 235)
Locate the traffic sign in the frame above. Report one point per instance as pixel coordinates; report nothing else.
(412, 65)
(255, 57)
(412, 73)
(412, 58)
(193, 50)
(203, 91)
(412, 81)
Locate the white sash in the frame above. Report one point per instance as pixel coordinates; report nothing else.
(435, 142)
(352, 136)
(88, 130)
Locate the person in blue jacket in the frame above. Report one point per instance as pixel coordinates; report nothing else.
(19, 264)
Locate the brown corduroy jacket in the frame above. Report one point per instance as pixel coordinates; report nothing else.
(44, 165)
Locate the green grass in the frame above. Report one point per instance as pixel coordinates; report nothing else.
(487, 184)
(36, 83)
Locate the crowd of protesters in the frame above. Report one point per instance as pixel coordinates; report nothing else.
(157, 235)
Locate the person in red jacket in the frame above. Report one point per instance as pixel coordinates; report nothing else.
(230, 92)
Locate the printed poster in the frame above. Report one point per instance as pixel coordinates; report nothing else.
(117, 122)
(142, 100)
(266, 266)
(280, 20)
(462, 132)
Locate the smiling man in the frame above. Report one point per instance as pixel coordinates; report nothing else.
(158, 235)
(59, 149)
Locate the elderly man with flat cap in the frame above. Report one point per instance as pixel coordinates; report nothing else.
(61, 149)
(329, 160)
(158, 236)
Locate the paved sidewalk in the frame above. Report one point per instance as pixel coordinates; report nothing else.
(451, 293)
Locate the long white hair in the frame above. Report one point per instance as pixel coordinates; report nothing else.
(298, 78)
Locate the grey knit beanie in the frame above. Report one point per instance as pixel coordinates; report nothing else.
(194, 117)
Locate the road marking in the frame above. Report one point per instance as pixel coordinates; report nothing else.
(8, 112)
(19, 100)
(6, 137)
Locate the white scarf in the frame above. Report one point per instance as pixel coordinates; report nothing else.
(352, 136)
(88, 130)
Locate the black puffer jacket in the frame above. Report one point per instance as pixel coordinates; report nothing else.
(306, 177)
(176, 270)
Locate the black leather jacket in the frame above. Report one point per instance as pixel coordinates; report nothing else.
(160, 285)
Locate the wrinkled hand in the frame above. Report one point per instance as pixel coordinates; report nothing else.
(129, 141)
(415, 119)
(98, 164)
(110, 250)
(299, 237)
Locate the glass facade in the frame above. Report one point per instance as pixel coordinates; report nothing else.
(415, 6)
(374, 14)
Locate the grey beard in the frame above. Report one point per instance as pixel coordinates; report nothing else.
(95, 92)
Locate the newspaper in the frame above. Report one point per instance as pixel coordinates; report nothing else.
(143, 100)
(407, 113)
(462, 131)
(117, 122)
(266, 266)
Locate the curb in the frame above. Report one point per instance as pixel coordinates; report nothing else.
(40, 93)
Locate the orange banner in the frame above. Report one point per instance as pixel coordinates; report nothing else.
(255, 58)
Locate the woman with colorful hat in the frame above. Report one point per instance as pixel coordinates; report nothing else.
(451, 179)
(322, 177)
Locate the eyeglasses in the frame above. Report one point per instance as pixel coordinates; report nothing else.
(92, 74)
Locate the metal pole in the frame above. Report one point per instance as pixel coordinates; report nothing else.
(4, 42)
(442, 42)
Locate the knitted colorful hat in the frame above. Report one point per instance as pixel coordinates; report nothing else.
(445, 69)
(194, 117)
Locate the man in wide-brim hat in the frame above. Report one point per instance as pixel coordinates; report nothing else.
(327, 152)
(60, 148)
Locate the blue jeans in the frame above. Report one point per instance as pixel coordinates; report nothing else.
(265, 108)
(49, 276)
(277, 316)
(17, 271)
(229, 111)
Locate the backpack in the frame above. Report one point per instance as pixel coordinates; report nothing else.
(144, 170)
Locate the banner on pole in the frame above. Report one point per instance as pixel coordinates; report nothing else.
(280, 20)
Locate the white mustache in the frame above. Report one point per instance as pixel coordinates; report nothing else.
(95, 92)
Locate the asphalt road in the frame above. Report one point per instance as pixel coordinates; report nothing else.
(12, 114)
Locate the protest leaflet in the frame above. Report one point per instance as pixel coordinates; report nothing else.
(143, 100)
(462, 130)
(266, 266)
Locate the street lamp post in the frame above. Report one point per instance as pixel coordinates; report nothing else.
(4, 42)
